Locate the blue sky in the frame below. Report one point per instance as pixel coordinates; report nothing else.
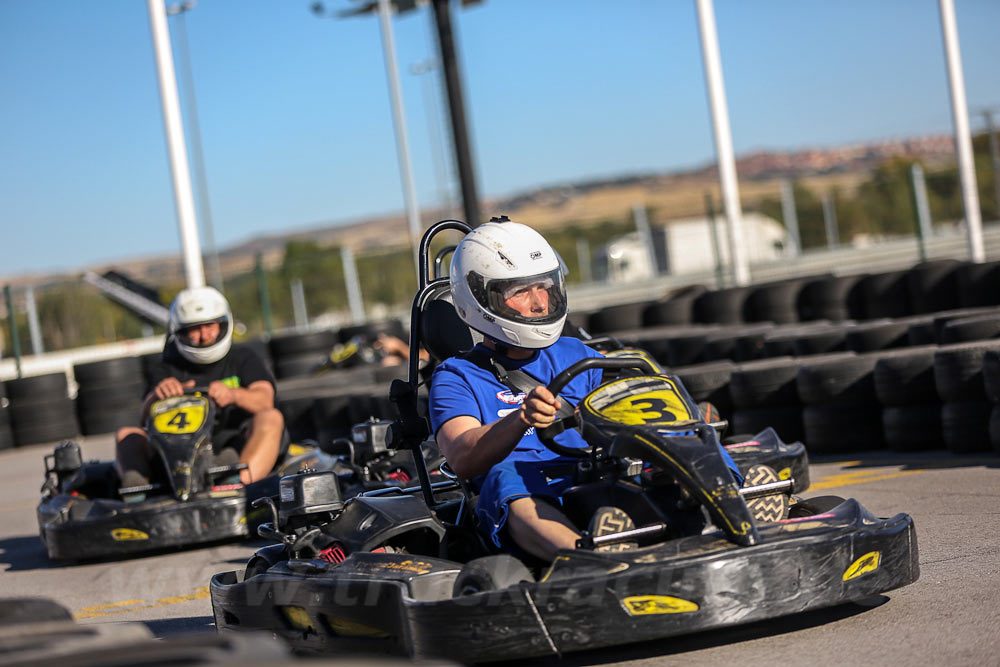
(297, 128)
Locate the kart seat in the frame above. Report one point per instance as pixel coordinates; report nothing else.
(442, 332)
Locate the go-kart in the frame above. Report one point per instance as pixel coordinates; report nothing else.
(406, 570)
(85, 512)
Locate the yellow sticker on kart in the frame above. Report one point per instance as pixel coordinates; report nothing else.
(128, 535)
(867, 563)
(642, 605)
(180, 417)
(659, 403)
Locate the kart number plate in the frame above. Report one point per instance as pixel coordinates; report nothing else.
(180, 417)
(659, 403)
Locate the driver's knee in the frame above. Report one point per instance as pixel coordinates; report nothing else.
(129, 434)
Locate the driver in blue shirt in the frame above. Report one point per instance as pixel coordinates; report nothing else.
(507, 283)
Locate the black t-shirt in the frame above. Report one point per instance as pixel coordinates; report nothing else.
(241, 367)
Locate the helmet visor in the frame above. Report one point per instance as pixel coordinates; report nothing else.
(200, 334)
(538, 299)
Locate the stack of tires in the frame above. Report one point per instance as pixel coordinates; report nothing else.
(6, 435)
(911, 407)
(763, 394)
(841, 411)
(965, 415)
(991, 382)
(110, 394)
(41, 409)
(300, 354)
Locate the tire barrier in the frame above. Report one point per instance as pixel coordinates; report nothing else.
(300, 353)
(764, 393)
(724, 306)
(933, 285)
(976, 284)
(676, 309)
(110, 394)
(884, 295)
(708, 382)
(833, 298)
(41, 410)
(774, 302)
(6, 434)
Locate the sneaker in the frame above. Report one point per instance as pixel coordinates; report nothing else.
(608, 521)
(766, 509)
(130, 479)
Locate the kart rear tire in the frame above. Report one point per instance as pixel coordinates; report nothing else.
(490, 573)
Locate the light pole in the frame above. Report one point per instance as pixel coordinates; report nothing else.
(399, 120)
(187, 81)
(429, 91)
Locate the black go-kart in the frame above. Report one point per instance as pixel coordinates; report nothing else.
(406, 571)
(193, 498)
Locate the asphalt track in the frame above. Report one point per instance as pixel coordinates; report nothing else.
(950, 616)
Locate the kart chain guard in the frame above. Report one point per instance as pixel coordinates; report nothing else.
(695, 462)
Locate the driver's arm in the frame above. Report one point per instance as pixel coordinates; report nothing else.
(472, 448)
(256, 397)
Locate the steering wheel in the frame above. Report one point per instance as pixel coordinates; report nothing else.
(547, 435)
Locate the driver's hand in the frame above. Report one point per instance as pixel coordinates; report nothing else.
(221, 394)
(171, 387)
(539, 407)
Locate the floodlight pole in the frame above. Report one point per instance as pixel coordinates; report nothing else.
(456, 107)
(723, 140)
(963, 138)
(186, 219)
(399, 124)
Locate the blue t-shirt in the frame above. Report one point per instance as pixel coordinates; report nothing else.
(460, 388)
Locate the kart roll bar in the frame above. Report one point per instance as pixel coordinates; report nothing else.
(412, 428)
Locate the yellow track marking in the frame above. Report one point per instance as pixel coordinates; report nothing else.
(862, 477)
(199, 593)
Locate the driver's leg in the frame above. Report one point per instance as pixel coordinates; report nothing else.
(132, 454)
(261, 451)
(539, 528)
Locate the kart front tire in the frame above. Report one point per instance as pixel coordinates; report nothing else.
(803, 507)
(490, 573)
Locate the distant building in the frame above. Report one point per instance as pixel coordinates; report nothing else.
(686, 246)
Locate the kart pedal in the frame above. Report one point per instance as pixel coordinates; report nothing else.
(765, 509)
(609, 521)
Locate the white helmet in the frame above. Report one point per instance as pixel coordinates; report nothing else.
(499, 262)
(201, 305)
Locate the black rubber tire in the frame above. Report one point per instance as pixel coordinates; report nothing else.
(837, 429)
(873, 336)
(36, 413)
(624, 317)
(6, 437)
(785, 420)
(995, 427)
(965, 329)
(845, 378)
(977, 284)
(885, 295)
(37, 387)
(765, 383)
(63, 429)
(991, 375)
(933, 285)
(906, 377)
(261, 347)
(827, 298)
(774, 302)
(297, 344)
(912, 428)
(965, 427)
(958, 371)
(921, 333)
(300, 365)
(98, 397)
(708, 382)
(109, 420)
(490, 573)
(823, 341)
(686, 349)
(121, 370)
(723, 306)
(676, 309)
